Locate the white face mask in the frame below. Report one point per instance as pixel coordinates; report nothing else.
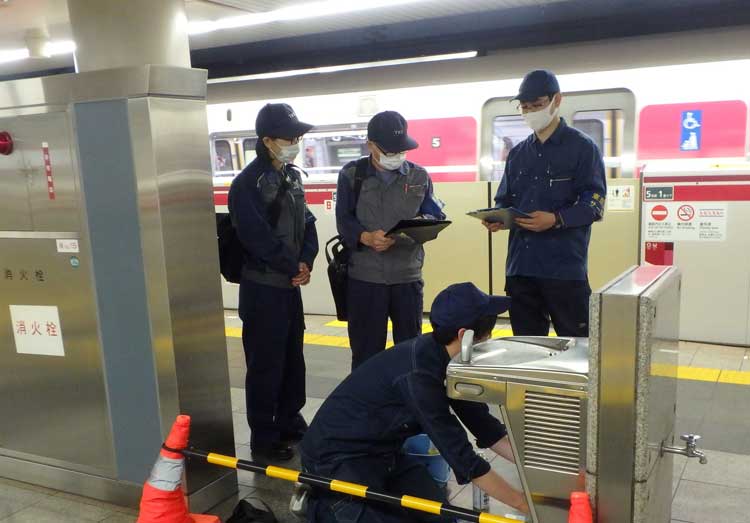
(539, 120)
(392, 163)
(287, 153)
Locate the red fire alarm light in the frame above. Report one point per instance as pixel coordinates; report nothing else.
(6, 143)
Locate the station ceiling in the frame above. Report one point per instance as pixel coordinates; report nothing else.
(278, 35)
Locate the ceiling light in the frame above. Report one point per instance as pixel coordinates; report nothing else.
(49, 49)
(13, 55)
(60, 47)
(347, 67)
(295, 12)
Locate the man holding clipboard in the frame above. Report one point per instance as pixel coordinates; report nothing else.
(556, 179)
(385, 267)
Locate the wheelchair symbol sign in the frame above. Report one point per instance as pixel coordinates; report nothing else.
(689, 121)
(690, 135)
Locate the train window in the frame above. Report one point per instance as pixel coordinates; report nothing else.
(606, 128)
(507, 131)
(608, 116)
(325, 154)
(248, 149)
(594, 129)
(223, 157)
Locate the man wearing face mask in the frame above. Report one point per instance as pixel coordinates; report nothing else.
(277, 231)
(557, 177)
(385, 275)
(359, 431)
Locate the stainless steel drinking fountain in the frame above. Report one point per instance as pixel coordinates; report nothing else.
(592, 414)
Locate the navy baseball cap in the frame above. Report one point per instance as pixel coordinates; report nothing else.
(537, 84)
(279, 121)
(389, 130)
(462, 304)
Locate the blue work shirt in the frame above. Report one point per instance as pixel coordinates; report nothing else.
(563, 175)
(348, 225)
(394, 395)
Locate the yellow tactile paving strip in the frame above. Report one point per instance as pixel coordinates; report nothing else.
(732, 377)
(310, 338)
(427, 328)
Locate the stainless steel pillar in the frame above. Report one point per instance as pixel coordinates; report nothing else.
(111, 320)
(633, 395)
(112, 33)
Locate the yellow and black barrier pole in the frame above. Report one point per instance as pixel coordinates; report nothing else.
(343, 487)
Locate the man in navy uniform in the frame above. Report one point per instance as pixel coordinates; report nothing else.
(359, 431)
(557, 177)
(385, 274)
(280, 242)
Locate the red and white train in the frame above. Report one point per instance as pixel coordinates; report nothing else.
(639, 99)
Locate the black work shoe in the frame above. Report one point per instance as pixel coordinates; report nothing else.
(275, 452)
(293, 437)
(296, 432)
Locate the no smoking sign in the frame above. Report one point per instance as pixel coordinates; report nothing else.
(686, 213)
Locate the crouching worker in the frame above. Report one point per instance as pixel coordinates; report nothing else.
(358, 433)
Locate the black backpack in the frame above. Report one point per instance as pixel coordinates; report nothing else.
(337, 253)
(252, 510)
(231, 254)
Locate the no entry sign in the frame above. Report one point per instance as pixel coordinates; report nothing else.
(659, 213)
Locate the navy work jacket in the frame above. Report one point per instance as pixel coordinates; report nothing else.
(392, 396)
(564, 175)
(264, 248)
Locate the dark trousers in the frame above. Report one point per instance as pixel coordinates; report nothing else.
(273, 326)
(400, 476)
(369, 307)
(536, 301)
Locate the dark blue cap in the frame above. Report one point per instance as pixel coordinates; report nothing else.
(389, 130)
(537, 84)
(462, 304)
(279, 121)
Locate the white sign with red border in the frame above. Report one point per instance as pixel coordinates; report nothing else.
(685, 221)
(36, 330)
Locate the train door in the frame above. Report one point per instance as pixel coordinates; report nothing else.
(609, 118)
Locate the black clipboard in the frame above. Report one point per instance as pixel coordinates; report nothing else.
(418, 230)
(506, 215)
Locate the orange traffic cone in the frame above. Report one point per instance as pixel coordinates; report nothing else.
(163, 500)
(580, 508)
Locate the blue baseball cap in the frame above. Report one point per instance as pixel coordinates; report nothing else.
(389, 130)
(537, 84)
(279, 121)
(462, 304)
